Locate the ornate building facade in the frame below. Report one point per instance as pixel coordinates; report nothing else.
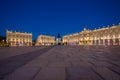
(102, 36)
(18, 38)
(45, 40)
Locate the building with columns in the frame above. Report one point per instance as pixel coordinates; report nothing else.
(102, 36)
(14, 38)
(45, 40)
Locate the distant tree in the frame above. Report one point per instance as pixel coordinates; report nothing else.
(2, 38)
(33, 42)
(3, 41)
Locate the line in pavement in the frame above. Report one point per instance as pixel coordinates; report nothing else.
(10, 64)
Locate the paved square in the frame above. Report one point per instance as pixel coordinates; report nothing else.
(60, 63)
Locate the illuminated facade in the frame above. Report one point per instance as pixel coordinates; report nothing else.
(102, 36)
(45, 40)
(18, 38)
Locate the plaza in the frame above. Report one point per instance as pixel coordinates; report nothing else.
(60, 63)
(59, 40)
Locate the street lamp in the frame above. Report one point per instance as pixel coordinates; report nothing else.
(3, 40)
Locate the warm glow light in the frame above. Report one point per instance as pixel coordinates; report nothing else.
(99, 34)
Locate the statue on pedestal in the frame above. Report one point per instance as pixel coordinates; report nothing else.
(58, 40)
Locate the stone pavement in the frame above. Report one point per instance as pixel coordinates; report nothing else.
(64, 63)
(6, 52)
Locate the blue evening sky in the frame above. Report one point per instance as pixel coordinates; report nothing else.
(51, 17)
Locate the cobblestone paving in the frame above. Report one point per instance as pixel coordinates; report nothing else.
(64, 63)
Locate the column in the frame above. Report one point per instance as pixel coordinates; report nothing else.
(108, 42)
(113, 41)
(103, 41)
(99, 42)
(119, 41)
(95, 42)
